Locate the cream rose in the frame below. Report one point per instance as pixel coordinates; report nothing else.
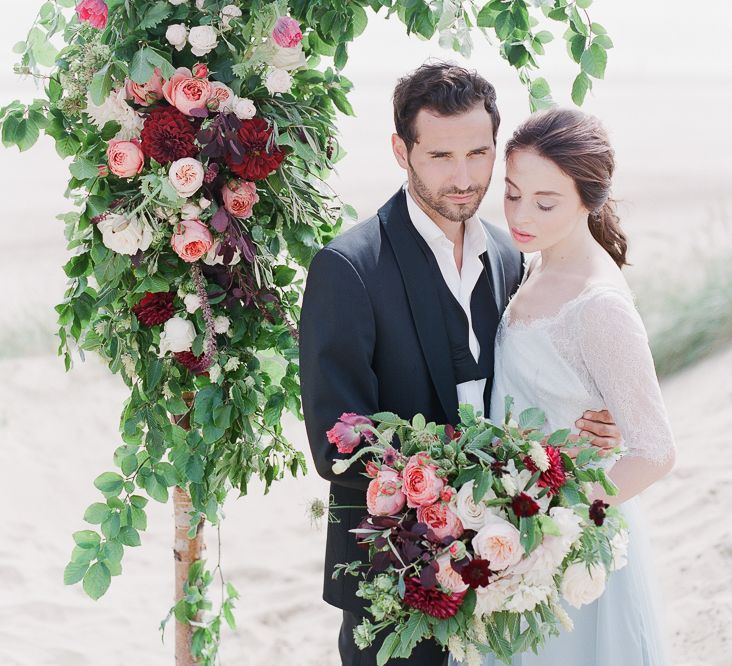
(278, 81)
(471, 514)
(580, 586)
(203, 39)
(499, 542)
(244, 108)
(287, 59)
(228, 13)
(192, 302)
(177, 336)
(186, 176)
(125, 235)
(177, 35)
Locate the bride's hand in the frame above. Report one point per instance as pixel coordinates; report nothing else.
(600, 429)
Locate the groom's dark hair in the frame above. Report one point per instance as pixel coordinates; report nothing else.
(446, 90)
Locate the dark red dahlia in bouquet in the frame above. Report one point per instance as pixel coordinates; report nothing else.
(554, 477)
(155, 309)
(597, 512)
(168, 135)
(432, 602)
(476, 573)
(524, 506)
(260, 156)
(196, 364)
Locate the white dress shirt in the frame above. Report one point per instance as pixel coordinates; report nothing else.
(461, 283)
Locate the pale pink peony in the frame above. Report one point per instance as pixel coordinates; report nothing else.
(239, 197)
(146, 93)
(287, 32)
(421, 485)
(440, 520)
(499, 542)
(383, 497)
(185, 92)
(93, 12)
(191, 240)
(448, 577)
(125, 158)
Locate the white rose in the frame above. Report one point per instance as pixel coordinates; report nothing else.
(287, 59)
(580, 586)
(204, 203)
(177, 34)
(499, 542)
(471, 515)
(192, 302)
(125, 235)
(244, 108)
(190, 211)
(222, 324)
(569, 524)
(278, 81)
(203, 39)
(229, 12)
(177, 336)
(186, 176)
(619, 547)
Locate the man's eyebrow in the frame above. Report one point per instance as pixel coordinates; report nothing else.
(439, 153)
(545, 193)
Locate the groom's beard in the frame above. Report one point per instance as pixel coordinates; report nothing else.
(436, 202)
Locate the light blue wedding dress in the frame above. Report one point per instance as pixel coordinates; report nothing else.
(593, 354)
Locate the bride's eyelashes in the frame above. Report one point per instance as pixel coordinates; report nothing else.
(546, 209)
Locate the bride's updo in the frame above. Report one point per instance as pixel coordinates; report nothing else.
(578, 144)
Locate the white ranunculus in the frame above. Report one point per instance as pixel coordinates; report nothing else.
(177, 35)
(229, 12)
(115, 108)
(244, 108)
(222, 324)
(472, 515)
(124, 234)
(177, 336)
(203, 39)
(278, 81)
(580, 586)
(287, 59)
(192, 302)
(619, 547)
(492, 598)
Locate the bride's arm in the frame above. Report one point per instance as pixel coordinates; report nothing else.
(615, 350)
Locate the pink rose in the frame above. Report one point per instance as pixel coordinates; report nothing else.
(186, 176)
(146, 93)
(287, 32)
(440, 520)
(93, 12)
(448, 577)
(344, 433)
(185, 92)
(239, 197)
(200, 71)
(222, 97)
(191, 240)
(421, 485)
(125, 158)
(372, 469)
(383, 497)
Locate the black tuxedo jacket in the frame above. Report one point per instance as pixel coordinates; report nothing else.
(372, 338)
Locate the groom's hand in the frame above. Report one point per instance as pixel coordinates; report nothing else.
(600, 429)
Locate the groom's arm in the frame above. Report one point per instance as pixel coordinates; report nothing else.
(337, 337)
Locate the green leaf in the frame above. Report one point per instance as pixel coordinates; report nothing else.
(86, 539)
(101, 85)
(604, 41)
(598, 29)
(157, 490)
(531, 418)
(138, 501)
(540, 88)
(129, 536)
(480, 488)
(594, 61)
(45, 53)
(504, 25)
(558, 436)
(82, 169)
(585, 456)
(96, 580)
(141, 70)
(547, 525)
(544, 36)
(360, 20)
(467, 414)
(388, 647)
(109, 483)
(111, 526)
(74, 572)
(155, 15)
(576, 47)
(273, 408)
(581, 85)
(413, 632)
(584, 4)
(26, 134)
(67, 146)
(487, 16)
(96, 513)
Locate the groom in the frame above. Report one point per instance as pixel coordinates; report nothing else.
(400, 313)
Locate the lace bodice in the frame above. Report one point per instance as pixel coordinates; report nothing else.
(592, 354)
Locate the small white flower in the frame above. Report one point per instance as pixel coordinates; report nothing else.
(473, 656)
(278, 81)
(204, 203)
(115, 108)
(177, 35)
(340, 466)
(203, 39)
(561, 614)
(232, 364)
(222, 324)
(456, 647)
(190, 211)
(244, 108)
(619, 547)
(192, 302)
(125, 235)
(128, 364)
(508, 485)
(167, 393)
(177, 336)
(229, 12)
(538, 455)
(214, 373)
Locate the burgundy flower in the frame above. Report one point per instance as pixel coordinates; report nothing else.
(432, 602)
(476, 573)
(155, 309)
(260, 157)
(555, 476)
(344, 433)
(597, 512)
(196, 364)
(451, 433)
(168, 135)
(524, 506)
(497, 467)
(390, 456)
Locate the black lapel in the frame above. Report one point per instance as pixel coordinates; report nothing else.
(424, 301)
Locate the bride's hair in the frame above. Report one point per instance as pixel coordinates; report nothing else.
(578, 144)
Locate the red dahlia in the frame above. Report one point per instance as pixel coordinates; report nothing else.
(154, 309)
(168, 135)
(432, 602)
(597, 512)
(554, 477)
(196, 364)
(476, 573)
(524, 506)
(261, 157)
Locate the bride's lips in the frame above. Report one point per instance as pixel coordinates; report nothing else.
(521, 237)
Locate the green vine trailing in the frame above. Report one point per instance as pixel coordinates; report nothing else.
(200, 135)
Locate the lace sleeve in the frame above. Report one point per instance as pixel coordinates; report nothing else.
(614, 348)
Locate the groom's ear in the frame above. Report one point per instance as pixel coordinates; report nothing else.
(400, 151)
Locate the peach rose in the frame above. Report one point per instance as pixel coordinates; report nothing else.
(421, 484)
(448, 577)
(499, 542)
(186, 176)
(383, 497)
(222, 97)
(239, 197)
(440, 520)
(125, 158)
(146, 93)
(191, 240)
(185, 92)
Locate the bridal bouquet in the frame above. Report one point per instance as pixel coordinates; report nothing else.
(475, 533)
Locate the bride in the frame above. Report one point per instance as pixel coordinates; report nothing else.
(572, 338)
